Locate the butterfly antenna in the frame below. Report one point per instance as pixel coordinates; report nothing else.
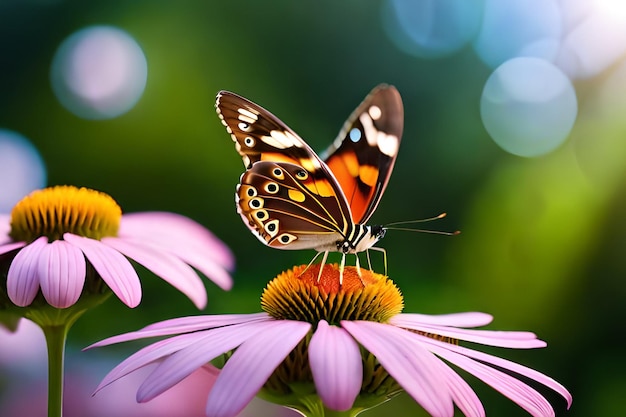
(391, 226)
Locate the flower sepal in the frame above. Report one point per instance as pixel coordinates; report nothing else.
(45, 315)
(305, 401)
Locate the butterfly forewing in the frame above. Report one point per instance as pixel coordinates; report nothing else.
(363, 155)
(259, 135)
(308, 208)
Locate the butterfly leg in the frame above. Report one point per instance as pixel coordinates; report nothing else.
(369, 260)
(358, 268)
(319, 275)
(311, 263)
(341, 268)
(384, 256)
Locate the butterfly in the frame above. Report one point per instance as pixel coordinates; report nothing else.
(291, 198)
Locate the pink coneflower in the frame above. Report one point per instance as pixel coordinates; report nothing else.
(320, 346)
(63, 250)
(49, 234)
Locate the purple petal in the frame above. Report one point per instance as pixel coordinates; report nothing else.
(8, 247)
(61, 273)
(336, 365)
(182, 325)
(165, 265)
(179, 234)
(517, 391)
(469, 319)
(505, 364)
(518, 340)
(22, 278)
(149, 354)
(112, 267)
(417, 370)
(251, 365)
(181, 364)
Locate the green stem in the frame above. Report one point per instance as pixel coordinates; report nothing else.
(55, 340)
(55, 324)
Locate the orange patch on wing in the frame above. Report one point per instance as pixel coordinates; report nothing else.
(296, 196)
(278, 157)
(320, 187)
(368, 174)
(345, 168)
(347, 171)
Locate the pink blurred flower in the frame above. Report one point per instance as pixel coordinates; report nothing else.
(414, 349)
(52, 231)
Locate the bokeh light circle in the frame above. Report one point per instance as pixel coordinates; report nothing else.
(528, 106)
(22, 169)
(99, 72)
(431, 28)
(594, 36)
(513, 28)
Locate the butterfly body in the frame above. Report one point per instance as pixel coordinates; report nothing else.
(291, 198)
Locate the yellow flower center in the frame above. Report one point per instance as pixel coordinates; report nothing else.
(364, 295)
(57, 210)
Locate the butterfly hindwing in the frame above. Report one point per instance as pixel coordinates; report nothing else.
(281, 204)
(363, 154)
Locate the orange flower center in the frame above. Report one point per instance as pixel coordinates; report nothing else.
(297, 294)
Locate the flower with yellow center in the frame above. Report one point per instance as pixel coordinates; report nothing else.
(320, 346)
(63, 248)
(62, 242)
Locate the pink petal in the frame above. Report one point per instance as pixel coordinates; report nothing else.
(112, 267)
(61, 273)
(469, 319)
(150, 354)
(336, 365)
(417, 370)
(179, 234)
(22, 278)
(517, 391)
(182, 325)
(165, 265)
(8, 247)
(181, 364)
(518, 340)
(462, 394)
(195, 257)
(505, 364)
(251, 365)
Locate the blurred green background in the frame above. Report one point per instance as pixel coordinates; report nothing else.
(541, 243)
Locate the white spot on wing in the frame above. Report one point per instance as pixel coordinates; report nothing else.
(387, 144)
(375, 112)
(246, 119)
(248, 114)
(281, 139)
